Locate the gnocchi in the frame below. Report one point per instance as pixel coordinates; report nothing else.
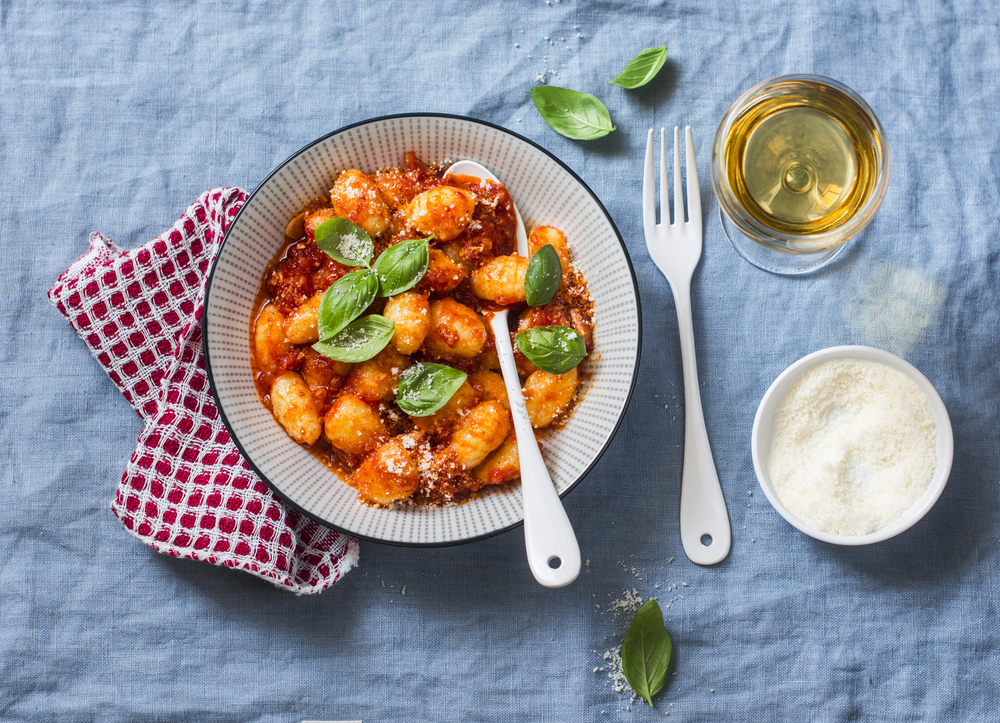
(456, 330)
(352, 425)
(347, 414)
(454, 409)
(444, 274)
(543, 236)
(387, 475)
(443, 212)
(547, 395)
(501, 280)
(411, 314)
(270, 341)
(480, 432)
(303, 326)
(491, 386)
(358, 198)
(295, 408)
(502, 465)
(312, 219)
(375, 380)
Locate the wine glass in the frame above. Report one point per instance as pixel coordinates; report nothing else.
(800, 165)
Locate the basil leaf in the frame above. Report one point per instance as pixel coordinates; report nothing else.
(358, 341)
(401, 266)
(426, 387)
(345, 301)
(553, 349)
(345, 242)
(572, 113)
(642, 68)
(647, 652)
(543, 277)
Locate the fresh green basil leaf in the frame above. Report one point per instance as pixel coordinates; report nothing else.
(345, 242)
(426, 387)
(345, 301)
(553, 349)
(359, 341)
(572, 113)
(543, 277)
(647, 652)
(401, 266)
(642, 68)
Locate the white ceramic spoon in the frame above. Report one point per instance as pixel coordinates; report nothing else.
(553, 552)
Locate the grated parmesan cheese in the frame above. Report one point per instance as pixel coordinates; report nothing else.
(628, 604)
(352, 246)
(853, 446)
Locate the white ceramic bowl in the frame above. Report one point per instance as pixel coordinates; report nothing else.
(545, 191)
(763, 436)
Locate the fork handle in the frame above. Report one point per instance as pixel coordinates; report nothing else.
(703, 508)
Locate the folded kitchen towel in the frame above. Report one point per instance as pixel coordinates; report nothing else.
(186, 491)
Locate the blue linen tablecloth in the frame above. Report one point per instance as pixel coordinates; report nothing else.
(114, 116)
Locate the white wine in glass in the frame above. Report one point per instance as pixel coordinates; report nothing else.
(800, 164)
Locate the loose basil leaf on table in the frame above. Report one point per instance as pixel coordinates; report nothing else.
(553, 349)
(571, 113)
(345, 301)
(647, 652)
(345, 242)
(426, 387)
(642, 68)
(401, 266)
(543, 277)
(359, 341)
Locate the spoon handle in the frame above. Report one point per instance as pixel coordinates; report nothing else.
(552, 549)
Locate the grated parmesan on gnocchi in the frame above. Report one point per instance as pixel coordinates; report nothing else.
(346, 414)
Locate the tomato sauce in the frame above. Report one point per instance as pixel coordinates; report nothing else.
(300, 272)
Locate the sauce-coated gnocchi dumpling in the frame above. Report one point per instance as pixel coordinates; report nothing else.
(295, 408)
(455, 331)
(443, 212)
(357, 197)
(411, 314)
(501, 280)
(347, 414)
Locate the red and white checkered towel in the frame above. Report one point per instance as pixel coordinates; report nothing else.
(187, 491)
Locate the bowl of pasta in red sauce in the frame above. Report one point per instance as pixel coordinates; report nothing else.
(347, 338)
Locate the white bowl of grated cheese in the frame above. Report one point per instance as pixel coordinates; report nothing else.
(852, 445)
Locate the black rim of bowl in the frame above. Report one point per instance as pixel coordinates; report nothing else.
(208, 359)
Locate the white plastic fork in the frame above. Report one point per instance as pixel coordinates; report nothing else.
(675, 249)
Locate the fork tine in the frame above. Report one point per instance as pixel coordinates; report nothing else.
(693, 191)
(664, 186)
(649, 191)
(678, 197)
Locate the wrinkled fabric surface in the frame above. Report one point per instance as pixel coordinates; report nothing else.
(186, 492)
(113, 116)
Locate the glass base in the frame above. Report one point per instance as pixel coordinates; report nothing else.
(776, 262)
